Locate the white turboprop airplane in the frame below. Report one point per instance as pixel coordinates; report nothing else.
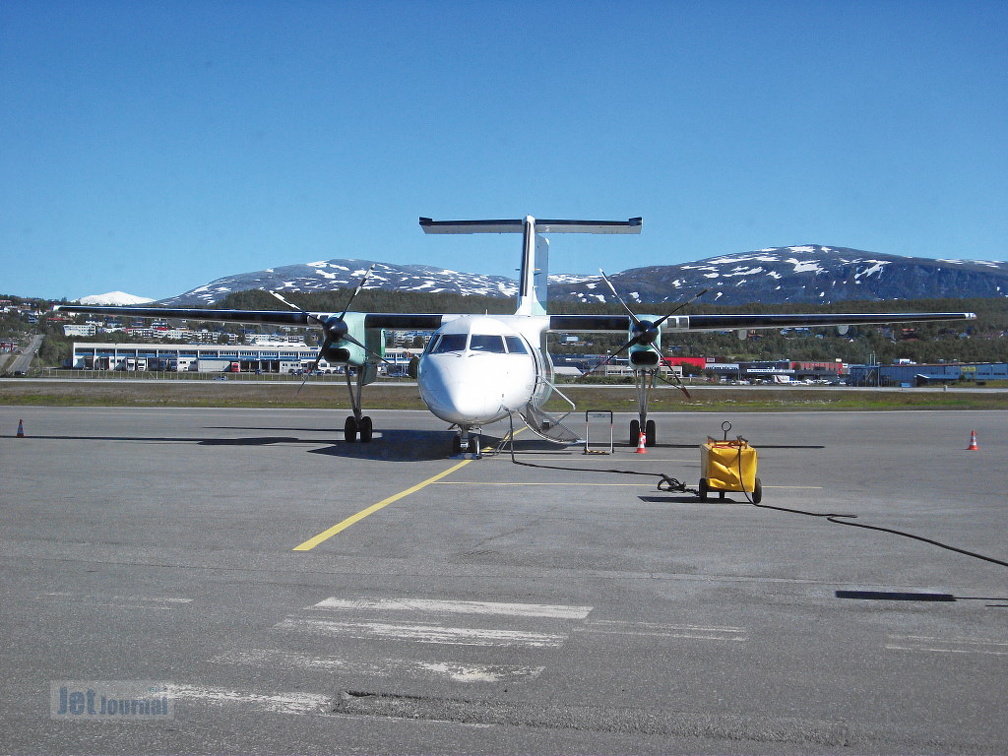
(478, 369)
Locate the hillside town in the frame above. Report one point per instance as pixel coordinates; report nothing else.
(122, 346)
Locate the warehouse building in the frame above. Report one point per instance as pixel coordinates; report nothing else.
(911, 374)
(207, 358)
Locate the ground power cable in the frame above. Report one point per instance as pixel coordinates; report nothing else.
(848, 519)
(669, 484)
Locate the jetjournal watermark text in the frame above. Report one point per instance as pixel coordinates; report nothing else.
(110, 700)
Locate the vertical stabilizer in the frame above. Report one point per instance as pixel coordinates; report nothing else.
(532, 298)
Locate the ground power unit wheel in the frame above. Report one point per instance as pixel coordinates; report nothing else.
(757, 492)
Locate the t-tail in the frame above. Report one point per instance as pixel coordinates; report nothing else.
(534, 273)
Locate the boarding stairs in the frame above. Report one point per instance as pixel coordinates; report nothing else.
(548, 427)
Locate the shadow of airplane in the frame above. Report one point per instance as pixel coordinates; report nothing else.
(391, 444)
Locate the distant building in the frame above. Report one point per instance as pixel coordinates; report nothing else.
(924, 375)
(249, 358)
(80, 330)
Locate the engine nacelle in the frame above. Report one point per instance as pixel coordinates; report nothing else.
(645, 353)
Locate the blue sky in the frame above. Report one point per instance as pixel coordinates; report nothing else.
(150, 147)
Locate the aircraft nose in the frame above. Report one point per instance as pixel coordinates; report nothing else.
(456, 395)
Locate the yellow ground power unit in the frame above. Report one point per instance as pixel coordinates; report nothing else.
(729, 465)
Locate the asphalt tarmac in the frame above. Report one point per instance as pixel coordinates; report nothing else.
(283, 591)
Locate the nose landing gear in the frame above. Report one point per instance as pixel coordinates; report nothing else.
(466, 442)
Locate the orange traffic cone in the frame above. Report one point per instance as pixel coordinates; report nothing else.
(973, 442)
(641, 445)
(20, 433)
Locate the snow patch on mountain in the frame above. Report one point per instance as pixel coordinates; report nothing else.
(116, 298)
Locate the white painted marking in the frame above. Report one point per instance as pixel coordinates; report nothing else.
(424, 633)
(127, 602)
(281, 703)
(463, 673)
(553, 611)
(947, 645)
(653, 629)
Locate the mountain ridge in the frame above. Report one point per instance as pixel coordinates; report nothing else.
(801, 274)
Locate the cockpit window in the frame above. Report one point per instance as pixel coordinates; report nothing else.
(487, 343)
(450, 342)
(515, 345)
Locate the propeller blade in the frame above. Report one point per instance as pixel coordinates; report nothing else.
(292, 306)
(612, 356)
(678, 382)
(619, 298)
(314, 365)
(681, 305)
(373, 353)
(356, 291)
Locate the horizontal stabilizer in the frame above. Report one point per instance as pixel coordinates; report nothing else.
(516, 226)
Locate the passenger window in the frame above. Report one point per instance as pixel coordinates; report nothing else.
(487, 343)
(450, 342)
(515, 345)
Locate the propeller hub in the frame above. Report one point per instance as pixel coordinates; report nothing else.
(645, 333)
(335, 328)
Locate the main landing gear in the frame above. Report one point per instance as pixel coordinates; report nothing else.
(355, 428)
(650, 432)
(645, 382)
(358, 425)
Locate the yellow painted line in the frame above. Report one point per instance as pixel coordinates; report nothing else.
(325, 535)
(530, 483)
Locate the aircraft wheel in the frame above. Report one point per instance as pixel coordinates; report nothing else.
(473, 447)
(456, 445)
(703, 489)
(634, 432)
(757, 494)
(365, 428)
(650, 433)
(350, 429)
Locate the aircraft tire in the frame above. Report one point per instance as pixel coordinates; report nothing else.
(366, 429)
(473, 447)
(650, 433)
(350, 429)
(456, 445)
(634, 432)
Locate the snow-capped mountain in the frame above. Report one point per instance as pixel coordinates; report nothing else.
(346, 274)
(115, 298)
(803, 274)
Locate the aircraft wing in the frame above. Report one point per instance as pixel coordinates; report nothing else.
(623, 323)
(809, 320)
(391, 321)
(277, 317)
